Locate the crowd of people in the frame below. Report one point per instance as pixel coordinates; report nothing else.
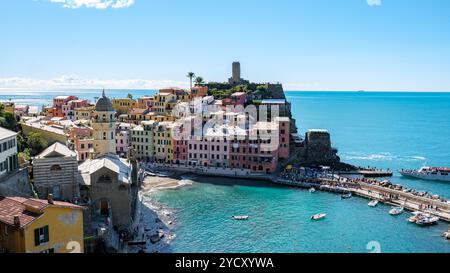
(389, 185)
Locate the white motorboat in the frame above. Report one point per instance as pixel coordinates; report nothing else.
(318, 216)
(312, 190)
(429, 173)
(396, 211)
(373, 203)
(415, 216)
(240, 217)
(347, 196)
(427, 221)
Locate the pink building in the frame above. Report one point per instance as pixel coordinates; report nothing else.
(79, 131)
(123, 142)
(180, 146)
(238, 98)
(84, 147)
(68, 109)
(146, 103)
(284, 140)
(58, 102)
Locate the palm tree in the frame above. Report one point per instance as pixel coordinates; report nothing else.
(191, 75)
(199, 81)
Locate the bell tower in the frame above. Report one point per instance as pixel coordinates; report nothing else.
(104, 127)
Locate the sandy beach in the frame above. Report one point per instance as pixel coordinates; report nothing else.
(157, 221)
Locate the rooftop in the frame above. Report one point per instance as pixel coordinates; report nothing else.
(11, 207)
(111, 162)
(5, 133)
(57, 150)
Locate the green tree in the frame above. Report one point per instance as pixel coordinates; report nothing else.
(130, 96)
(191, 76)
(36, 143)
(8, 121)
(199, 81)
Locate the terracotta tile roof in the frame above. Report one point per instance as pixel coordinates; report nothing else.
(9, 208)
(17, 206)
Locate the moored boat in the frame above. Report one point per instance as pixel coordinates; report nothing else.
(318, 216)
(427, 221)
(415, 216)
(312, 190)
(396, 211)
(373, 203)
(347, 196)
(428, 173)
(240, 217)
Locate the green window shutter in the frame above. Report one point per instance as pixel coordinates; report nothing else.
(46, 235)
(36, 237)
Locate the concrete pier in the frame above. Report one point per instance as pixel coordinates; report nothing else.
(409, 201)
(368, 173)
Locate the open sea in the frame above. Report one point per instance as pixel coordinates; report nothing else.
(385, 130)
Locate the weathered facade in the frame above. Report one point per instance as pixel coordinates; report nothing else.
(55, 171)
(110, 183)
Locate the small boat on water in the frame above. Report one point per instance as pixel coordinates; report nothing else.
(318, 216)
(396, 211)
(312, 190)
(373, 203)
(415, 216)
(428, 173)
(427, 221)
(347, 196)
(240, 217)
(446, 234)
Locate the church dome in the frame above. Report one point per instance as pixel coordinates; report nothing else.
(104, 104)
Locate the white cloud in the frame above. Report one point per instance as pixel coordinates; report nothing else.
(75, 82)
(374, 2)
(97, 4)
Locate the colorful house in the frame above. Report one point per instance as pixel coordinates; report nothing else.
(146, 102)
(40, 226)
(124, 105)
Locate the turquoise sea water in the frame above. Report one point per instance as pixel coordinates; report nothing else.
(388, 130)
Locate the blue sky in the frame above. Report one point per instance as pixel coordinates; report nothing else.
(379, 45)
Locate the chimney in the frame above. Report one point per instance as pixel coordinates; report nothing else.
(16, 221)
(50, 199)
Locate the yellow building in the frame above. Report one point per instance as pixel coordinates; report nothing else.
(158, 118)
(163, 102)
(40, 226)
(122, 106)
(9, 107)
(84, 113)
(163, 141)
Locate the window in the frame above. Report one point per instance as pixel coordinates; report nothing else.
(55, 168)
(104, 179)
(41, 236)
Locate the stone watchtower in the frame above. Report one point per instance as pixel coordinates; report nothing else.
(104, 127)
(236, 75)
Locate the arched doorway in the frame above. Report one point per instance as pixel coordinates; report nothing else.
(104, 207)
